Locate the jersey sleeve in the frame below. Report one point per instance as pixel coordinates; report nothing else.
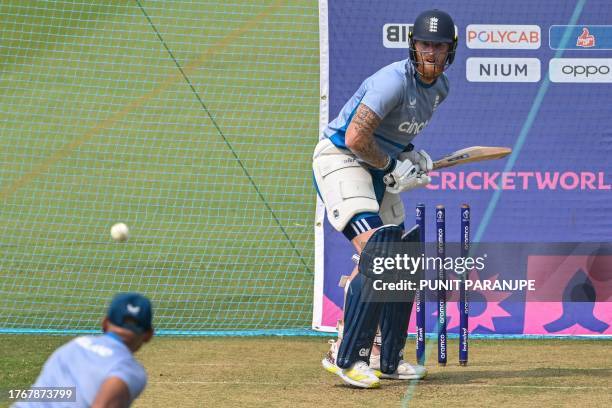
(383, 93)
(132, 374)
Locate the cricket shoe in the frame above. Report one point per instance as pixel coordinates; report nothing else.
(358, 375)
(332, 355)
(405, 370)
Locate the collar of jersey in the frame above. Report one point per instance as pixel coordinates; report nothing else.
(114, 336)
(421, 83)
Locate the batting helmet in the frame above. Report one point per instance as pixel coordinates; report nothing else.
(435, 26)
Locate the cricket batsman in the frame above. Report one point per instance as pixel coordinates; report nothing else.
(364, 161)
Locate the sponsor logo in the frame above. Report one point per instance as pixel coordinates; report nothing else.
(88, 344)
(585, 70)
(502, 69)
(412, 102)
(492, 36)
(585, 39)
(580, 37)
(133, 310)
(413, 127)
(577, 70)
(440, 244)
(433, 25)
(466, 238)
(364, 352)
(436, 102)
(418, 212)
(395, 35)
(336, 214)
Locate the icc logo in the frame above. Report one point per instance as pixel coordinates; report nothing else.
(440, 215)
(418, 212)
(585, 40)
(466, 214)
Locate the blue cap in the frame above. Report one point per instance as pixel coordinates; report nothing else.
(132, 311)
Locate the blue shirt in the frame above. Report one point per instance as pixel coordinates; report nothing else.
(85, 363)
(404, 103)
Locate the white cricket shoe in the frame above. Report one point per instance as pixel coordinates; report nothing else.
(405, 370)
(359, 374)
(332, 355)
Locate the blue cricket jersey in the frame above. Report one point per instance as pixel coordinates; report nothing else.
(404, 103)
(85, 363)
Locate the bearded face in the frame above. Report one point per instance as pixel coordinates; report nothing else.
(431, 59)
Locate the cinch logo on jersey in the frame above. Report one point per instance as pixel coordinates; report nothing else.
(525, 37)
(580, 37)
(502, 69)
(413, 127)
(580, 70)
(395, 35)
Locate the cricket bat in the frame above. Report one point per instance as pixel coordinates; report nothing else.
(467, 155)
(472, 154)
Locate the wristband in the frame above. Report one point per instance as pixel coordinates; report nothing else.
(390, 165)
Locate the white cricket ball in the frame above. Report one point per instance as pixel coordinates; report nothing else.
(120, 232)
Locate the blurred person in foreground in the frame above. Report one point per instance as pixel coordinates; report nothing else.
(102, 368)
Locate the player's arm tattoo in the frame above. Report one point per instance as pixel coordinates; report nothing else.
(360, 137)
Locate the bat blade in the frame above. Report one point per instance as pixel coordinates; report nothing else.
(472, 154)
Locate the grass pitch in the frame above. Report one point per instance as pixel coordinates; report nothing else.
(286, 372)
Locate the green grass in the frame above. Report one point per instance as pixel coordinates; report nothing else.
(99, 126)
(21, 359)
(286, 371)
